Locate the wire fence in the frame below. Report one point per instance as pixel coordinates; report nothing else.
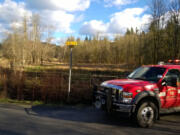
(49, 87)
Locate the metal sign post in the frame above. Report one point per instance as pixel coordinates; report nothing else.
(70, 70)
(71, 45)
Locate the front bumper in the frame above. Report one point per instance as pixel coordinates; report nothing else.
(103, 100)
(123, 107)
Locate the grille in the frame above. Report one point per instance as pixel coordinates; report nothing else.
(115, 94)
(118, 95)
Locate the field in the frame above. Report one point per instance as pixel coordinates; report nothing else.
(49, 83)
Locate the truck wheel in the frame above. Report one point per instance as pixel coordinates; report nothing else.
(146, 114)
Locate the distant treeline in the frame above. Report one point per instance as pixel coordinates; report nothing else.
(160, 42)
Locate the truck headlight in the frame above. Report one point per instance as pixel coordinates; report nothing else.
(127, 97)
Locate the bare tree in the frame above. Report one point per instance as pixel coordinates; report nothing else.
(175, 18)
(158, 10)
(36, 35)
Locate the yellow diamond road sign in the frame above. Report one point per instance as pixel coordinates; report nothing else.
(71, 43)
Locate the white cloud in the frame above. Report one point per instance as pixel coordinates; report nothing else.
(12, 11)
(59, 41)
(15, 24)
(60, 20)
(118, 23)
(110, 3)
(132, 17)
(66, 5)
(93, 27)
(59, 13)
(79, 18)
(11, 14)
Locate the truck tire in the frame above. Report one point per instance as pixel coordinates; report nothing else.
(146, 114)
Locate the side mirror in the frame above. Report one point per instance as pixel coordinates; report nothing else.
(170, 81)
(159, 76)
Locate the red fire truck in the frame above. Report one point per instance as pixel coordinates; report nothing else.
(146, 93)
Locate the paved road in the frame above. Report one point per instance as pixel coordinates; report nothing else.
(40, 120)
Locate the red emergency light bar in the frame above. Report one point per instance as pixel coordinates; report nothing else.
(177, 62)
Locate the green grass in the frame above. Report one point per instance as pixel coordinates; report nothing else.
(38, 103)
(22, 102)
(34, 68)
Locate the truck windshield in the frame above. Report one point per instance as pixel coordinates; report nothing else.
(147, 73)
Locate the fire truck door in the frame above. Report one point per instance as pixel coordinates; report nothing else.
(172, 96)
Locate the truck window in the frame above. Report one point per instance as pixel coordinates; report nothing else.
(147, 73)
(174, 72)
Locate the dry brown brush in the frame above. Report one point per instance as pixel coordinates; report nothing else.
(46, 86)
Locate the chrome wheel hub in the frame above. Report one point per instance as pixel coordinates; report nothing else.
(98, 104)
(147, 114)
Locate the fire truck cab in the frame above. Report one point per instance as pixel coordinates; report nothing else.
(144, 94)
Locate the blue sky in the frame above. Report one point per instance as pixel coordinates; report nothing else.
(77, 17)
